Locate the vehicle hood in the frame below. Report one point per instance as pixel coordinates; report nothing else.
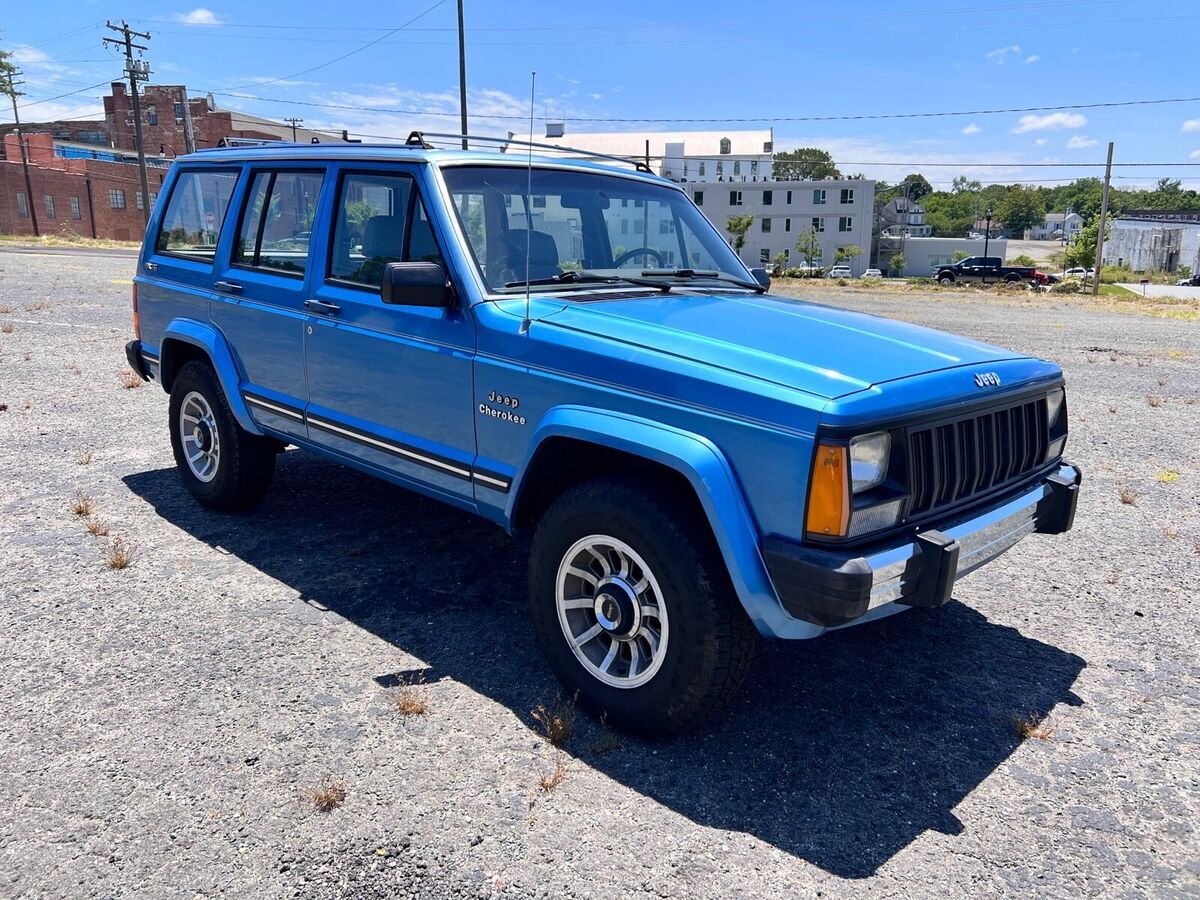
(818, 349)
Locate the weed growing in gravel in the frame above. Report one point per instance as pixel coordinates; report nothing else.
(97, 527)
(3, 407)
(1114, 577)
(1162, 382)
(74, 368)
(1128, 497)
(83, 457)
(1153, 401)
(1112, 357)
(1174, 354)
(607, 742)
(556, 720)
(1031, 725)
(38, 305)
(325, 797)
(548, 781)
(6, 309)
(6, 328)
(130, 379)
(118, 553)
(1171, 532)
(1112, 408)
(410, 699)
(1167, 476)
(81, 504)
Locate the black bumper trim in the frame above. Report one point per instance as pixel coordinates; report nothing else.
(133, 355)
(1056, 512)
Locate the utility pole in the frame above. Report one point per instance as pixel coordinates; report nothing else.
(462, 73)
(1103, 218)
(293, 121)
(189, 136)
(10, 88)
(137, 70)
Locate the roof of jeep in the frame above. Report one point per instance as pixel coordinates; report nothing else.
(403, 153)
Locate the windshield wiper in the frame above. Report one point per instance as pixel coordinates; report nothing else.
(568, 277)
(702, 274)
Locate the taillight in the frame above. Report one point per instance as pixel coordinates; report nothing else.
(137, 325)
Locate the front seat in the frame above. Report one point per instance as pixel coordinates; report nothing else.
(543, 254)
(383, 242)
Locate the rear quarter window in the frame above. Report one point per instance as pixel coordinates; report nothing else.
(195, 213)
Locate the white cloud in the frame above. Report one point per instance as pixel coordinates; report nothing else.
(1040, 142)
(1079, 142)
(1032, 58)
(199, 16)
(1049, 122)
(972, 129)
(596, 96)
(1001, 55)
(1195, 154)
(1190, 125)
(25, 55)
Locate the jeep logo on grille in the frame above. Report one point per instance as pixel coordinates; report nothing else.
(987, 379)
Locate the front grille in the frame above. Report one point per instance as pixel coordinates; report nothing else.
(952, 462)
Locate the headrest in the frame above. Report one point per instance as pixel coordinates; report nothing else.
(383, 236)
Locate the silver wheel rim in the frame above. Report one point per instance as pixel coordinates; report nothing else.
(611, 611)
(199, 436)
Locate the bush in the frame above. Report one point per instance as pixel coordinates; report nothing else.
(793, 273)
(1024, 260)
(842, 282)
(1066, 286)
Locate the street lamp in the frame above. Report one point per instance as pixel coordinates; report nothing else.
(987, 236)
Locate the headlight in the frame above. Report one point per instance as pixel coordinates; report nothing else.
(1056, 423)
(1054, 404)
(869, 460)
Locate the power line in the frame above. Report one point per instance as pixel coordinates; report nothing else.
(68, 94)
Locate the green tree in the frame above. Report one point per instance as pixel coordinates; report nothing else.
(778, 262)
(737, 226)
(917, 187)
(804, 164)
(1021, 209)
(897, 264)
(808, 245)
(964, 185)
(1024, 260)
(1082, 249)
(847, 253)
(959, 256)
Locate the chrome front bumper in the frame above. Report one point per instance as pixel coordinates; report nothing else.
(833, 590)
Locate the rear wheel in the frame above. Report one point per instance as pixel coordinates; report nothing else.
(633, 608)
(223, 465)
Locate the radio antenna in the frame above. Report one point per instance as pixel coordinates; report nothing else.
(529, 201)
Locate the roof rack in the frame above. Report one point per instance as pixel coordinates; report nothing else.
(418, 139)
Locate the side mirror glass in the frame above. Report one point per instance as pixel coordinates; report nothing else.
(761, 276)
(415, 284)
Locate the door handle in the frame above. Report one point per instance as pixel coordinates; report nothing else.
(322, 306)
(228, 287)
(151, 266)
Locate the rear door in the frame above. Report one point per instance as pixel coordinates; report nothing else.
(389, 385)
(260, 290)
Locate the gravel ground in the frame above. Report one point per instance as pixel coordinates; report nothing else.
(165, 724)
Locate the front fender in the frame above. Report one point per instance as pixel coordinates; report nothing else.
(712, 478)
(213, 343)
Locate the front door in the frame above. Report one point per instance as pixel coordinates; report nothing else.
(389, 385)
(260, 293)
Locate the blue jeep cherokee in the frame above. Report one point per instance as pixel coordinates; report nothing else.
(573, 352)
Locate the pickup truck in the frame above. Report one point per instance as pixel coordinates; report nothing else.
(691, 460)
(985, 269)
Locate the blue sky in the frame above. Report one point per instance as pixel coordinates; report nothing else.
(621, 59)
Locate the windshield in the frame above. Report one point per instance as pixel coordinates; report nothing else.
(592, 225)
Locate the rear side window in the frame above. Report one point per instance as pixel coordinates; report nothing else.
(276, 227)
(380, 219)
(194, 214)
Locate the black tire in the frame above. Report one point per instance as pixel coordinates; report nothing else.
(711, 640)
(1012, 279)
(944, 280)
(246, 463)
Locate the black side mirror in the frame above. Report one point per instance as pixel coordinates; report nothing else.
(415, 284)
(761, 276)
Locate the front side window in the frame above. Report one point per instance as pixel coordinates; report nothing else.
(592, 224)
(277, 219)
(376, 215)
(195, 211)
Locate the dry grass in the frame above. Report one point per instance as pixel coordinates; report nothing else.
(97, 527)
(6, 328)
(1114, 578)
(74, 368)
(81, 504)
(1112, 408)
(3, 407)
(5, 309)
(1167, 476)
(83, 457)
(38, 305)
(130, 379)
(1031, 725)
(1162, 382)
(410, 699)
(1153, 401)
(1171, 532)
(1128, 497)
(556, 720)
(548, 781)
(1113, 357)
(118, 552)
(325, 797)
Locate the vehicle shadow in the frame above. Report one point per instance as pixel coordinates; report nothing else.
(840, 751)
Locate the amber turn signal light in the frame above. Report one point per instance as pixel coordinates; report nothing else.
(829, 493)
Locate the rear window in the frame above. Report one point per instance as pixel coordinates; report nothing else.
(276, 228)
(195, 213)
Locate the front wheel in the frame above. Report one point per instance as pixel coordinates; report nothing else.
(633, 608)
(945, 280)
(224, 466)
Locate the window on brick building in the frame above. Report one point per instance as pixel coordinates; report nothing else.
(49, 206)
(116, 199)
(75, 211)
(152, 115)
(139, 199)
(22, 206)
(195, 211)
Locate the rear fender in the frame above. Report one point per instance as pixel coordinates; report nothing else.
(214, 345)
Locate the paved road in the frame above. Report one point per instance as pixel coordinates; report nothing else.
(161, 722)
(40, 250)
(1166, 290)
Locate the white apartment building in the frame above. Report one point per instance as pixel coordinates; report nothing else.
(839, 211)
(1056, 226)
(718, 156)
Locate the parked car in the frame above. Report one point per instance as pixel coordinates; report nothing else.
(983, 269)
(872, 273)
(693, 459)
(840, 272)
(1191, 281)
(1076, 272)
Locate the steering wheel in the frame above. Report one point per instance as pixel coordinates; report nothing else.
(639, 251)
